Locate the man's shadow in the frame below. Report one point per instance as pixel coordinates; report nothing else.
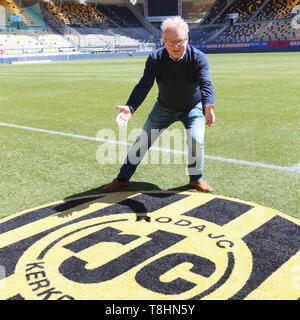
(133, 186)
(83, 200)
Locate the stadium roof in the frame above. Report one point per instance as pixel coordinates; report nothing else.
(122, 2)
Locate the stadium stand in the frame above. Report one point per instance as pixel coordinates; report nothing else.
(239, 33)
(59, 13)
(17, 40)
(69, 25)
(12, 9)
(120, 15)
(29, 33)
(20, 39)
(277, 9)
(217, 7)
(245, 8)
(258, 20)
(86, 15)
(98, 30)
(278, 31)
(204, 34)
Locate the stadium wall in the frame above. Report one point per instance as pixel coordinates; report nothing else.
(255, 47)
(28, 59)
(248, 47)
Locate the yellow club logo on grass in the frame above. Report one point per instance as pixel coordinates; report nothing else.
(150, 246)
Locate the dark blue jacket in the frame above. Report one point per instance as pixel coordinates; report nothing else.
(181, 84)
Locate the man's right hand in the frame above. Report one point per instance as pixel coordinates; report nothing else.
(124, 115)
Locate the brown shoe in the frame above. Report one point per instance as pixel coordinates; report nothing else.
(115, 185)
(201, 185)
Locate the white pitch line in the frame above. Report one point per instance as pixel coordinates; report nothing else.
(294, 168)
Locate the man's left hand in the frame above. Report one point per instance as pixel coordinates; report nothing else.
(209, 116)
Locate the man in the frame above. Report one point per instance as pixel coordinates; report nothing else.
(186, 94)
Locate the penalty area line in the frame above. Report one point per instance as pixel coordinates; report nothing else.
(294, 168)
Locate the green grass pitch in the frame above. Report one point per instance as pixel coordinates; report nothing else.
(257, 120)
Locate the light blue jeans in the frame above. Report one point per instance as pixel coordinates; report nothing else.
(160, 119)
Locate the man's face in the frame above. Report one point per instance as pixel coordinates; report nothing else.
(175, 41)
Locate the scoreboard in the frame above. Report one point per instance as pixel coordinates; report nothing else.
(159, 10)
